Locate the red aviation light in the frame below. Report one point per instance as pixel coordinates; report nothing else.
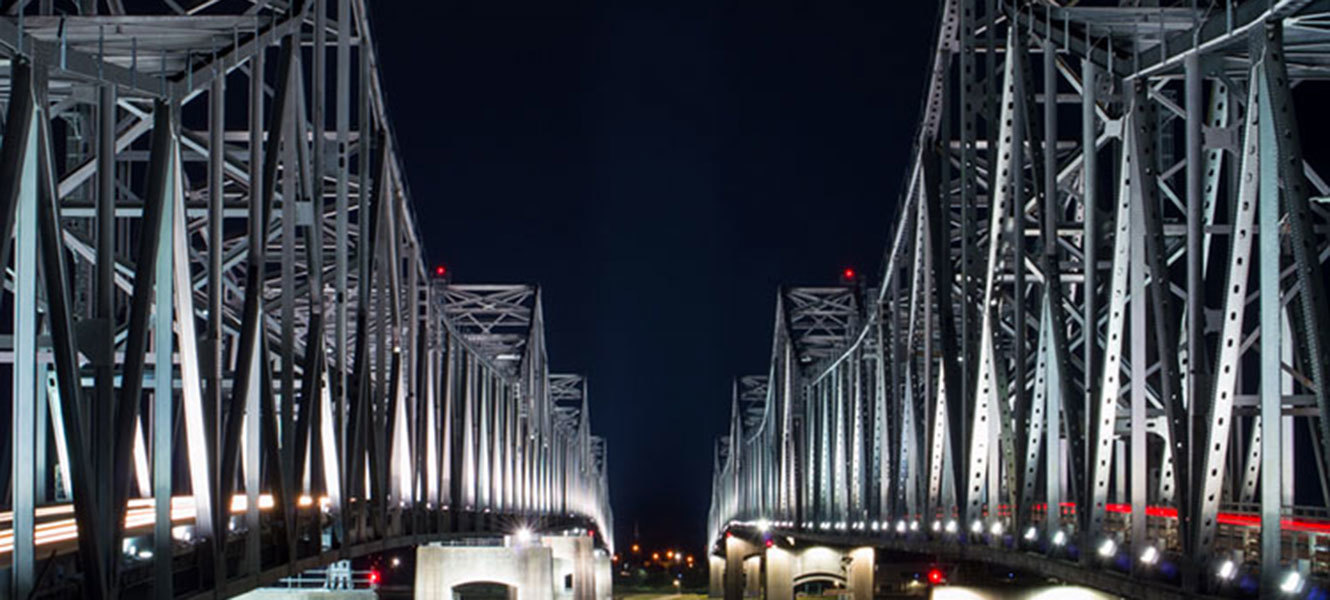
(848, 273)
(440, 271)
(935, 576)
(374, 577)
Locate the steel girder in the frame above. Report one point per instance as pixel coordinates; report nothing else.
(1136, 369)
(227, 354)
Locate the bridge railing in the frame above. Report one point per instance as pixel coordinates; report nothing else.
(225, 347)
(1104, 289)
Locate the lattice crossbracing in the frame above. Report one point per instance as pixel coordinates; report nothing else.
(214, 186)
(1105, 294)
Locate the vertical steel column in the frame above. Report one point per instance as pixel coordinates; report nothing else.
(1195, 300)
(1089, 268)
(1140, 167)
(214, 336)
(341, 243)
(20, 163)
(103, 414)
(1024, 133)
(246, 387)
(163, 376)
(1271, 313)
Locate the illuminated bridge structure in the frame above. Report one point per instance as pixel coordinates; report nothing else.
(229, 359)
(1097, 351)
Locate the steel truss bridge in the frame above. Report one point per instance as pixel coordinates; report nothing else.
(1098, 348)
(213, 186)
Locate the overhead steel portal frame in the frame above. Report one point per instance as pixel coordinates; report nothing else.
(229, 360)
(1100, 335)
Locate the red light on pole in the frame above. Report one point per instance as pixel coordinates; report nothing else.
(848, 273)
(374, 577)
(935, 576)
(440, 271)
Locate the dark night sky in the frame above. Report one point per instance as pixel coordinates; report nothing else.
(659, 168)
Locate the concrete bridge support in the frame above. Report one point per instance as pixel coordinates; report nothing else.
(736, 550)
(717, 587)
(753, 576)
(779, 580)
(859, 576)
(772, 573)
(604, 577)
(574, 563)
(550, 568)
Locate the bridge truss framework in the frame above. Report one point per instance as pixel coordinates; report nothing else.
(1107, 275)
(326, 394)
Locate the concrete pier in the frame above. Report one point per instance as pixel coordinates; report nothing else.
(545, 568)
(771, 573)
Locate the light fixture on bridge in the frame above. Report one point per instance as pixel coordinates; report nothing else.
(914, 525)
(763, 525)
(1227, 570)
(937, 525)
(900, 526)
(1031, 534)
(1059, 538)
(876, 525)
(523, 535)
(1108, 548)
(996, 528)
(1150, 556)
(1292, 583)
(977, 527)
(951, 526)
